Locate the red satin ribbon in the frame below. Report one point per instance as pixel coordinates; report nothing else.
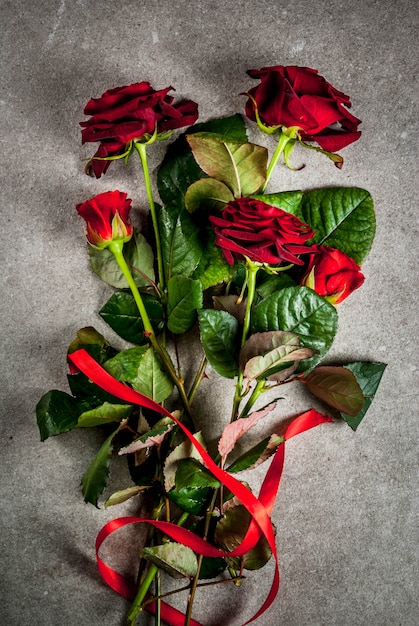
(259, 508)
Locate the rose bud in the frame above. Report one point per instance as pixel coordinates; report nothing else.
(263, 233)
(332, 274)
(106, 218)
(125, 114)
(299, 97)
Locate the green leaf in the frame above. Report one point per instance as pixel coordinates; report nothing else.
(225, 129)
(191, 473)
(270, 284)
(104, 414)
(212, 268)
(240, 166)
(220, 339)
(122, 496)
(56, 412)
(179, 168)
(184, 297)
(177, 172)
(337, 387)
(94, 479)
(122, 315)
(193, 484)
(92, 395)
(142, 369)
(152, 437)
(175, 559)
(368, 376)
(192, 500)
(302, 311)
(342, 218)
(139, 256)
(229, 534)
(211, 568)
(184, 450)
(181, 246)
(151, 379)
(94, 343)
(289, 201)
(256, 455)
(207, 194)
(272, 355)
(124, 366)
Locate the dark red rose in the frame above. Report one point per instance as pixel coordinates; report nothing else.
(123, 114)
(261, 232)
(332, 274)
(299, 96)
(107, 218)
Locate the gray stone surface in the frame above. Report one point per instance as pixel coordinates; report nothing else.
(346, 515)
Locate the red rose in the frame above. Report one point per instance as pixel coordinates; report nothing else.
(332, 274)
(123, 114)
(261, 232)
(106, 218)
(298, 96)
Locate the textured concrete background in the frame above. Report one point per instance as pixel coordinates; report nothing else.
(347, 509)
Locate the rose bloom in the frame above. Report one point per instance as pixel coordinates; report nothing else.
(261, 232)
(332, 274)
(299, 96)
(107, 218)
(126, 113)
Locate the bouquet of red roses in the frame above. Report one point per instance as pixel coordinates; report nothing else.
(260, 274)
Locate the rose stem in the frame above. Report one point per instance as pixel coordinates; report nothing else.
(142, 151)
(141, 593)
(236, 580)
(257, 391)
(136, 606)
(116, 248)
(191, 597)
(197, 380)
(284, 138)
(251, 271)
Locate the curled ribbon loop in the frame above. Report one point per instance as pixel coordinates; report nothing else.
(259, 508)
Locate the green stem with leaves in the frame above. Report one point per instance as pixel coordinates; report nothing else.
(260, 387)
(141, 594)
(286, 139)
(137, 604)
(142, 151)
(251, 272)
(116, 247)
